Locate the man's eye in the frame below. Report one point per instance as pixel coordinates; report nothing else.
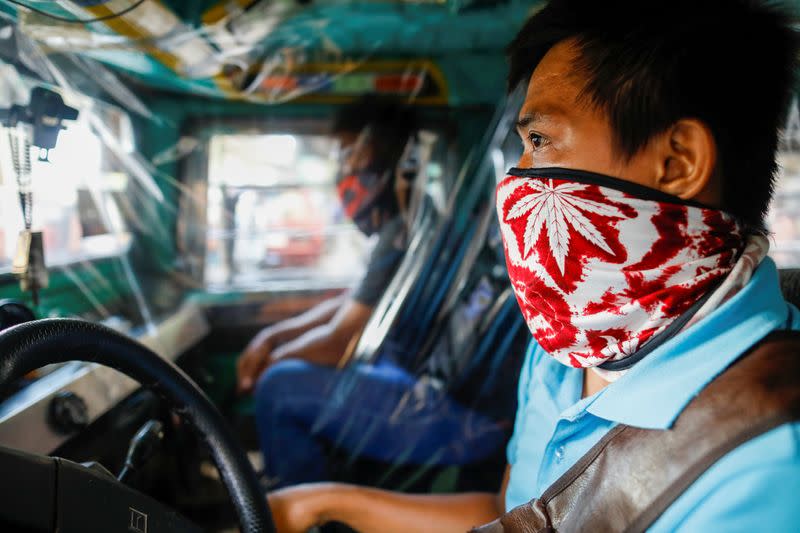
(537, 141)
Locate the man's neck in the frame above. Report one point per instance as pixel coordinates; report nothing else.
(592, 383)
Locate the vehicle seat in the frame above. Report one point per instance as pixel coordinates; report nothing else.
(790, 285)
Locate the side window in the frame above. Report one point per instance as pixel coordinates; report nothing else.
(72, 200)
(783, 220)
(273, 212)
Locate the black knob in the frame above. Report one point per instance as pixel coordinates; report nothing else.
(68, 412)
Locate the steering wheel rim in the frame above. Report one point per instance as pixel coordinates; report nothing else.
(32, 345)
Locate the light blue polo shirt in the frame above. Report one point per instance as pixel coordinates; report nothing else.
(756, 487)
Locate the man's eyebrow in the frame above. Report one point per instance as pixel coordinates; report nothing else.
(530, 118)
(524, 122)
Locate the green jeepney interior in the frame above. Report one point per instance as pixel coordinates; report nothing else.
(193, 200)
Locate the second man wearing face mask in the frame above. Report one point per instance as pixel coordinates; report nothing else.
(304, 400)
(302, 352)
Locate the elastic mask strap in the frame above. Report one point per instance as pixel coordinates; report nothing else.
(591, 178)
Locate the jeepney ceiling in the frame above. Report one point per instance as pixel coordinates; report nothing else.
(223, 48)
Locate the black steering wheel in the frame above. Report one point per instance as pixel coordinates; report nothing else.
(43, 493)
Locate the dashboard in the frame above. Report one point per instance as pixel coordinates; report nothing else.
(46, 413)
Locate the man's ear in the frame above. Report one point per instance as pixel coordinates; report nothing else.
(689, 160)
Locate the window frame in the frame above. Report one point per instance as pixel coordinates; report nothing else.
(192, 216)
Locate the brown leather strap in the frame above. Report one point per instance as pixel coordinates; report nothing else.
(630, 477)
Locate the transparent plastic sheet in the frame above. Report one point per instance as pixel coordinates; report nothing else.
(239, 219)
(279, 51)
(426, 402)
(119, 199)
(241, 49)
(236, 219)
(95, 199)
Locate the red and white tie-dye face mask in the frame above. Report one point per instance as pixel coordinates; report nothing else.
(602, 266)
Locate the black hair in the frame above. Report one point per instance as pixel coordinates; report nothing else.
(648, 64)
(391, 124)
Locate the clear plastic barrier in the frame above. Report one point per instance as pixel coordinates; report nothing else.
(206, 171)
(73, 200)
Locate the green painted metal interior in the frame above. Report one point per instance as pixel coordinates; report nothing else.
(465, 41)
(463, 38)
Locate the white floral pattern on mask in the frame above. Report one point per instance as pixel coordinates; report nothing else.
(599, 272)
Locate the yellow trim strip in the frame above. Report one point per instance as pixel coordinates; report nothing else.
(349, 67)
(125, 25)
(221, 10)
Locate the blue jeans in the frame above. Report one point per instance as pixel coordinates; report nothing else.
(379, 411)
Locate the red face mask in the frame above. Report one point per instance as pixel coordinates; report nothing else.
(368, 199)
(601, 267)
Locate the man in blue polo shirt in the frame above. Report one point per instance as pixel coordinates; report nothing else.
(635, 243)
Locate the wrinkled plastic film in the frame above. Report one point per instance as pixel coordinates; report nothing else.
(443, 417)
(133, 209)
(207, 180)
(121, 199)
(256, 51)
(73, 197)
